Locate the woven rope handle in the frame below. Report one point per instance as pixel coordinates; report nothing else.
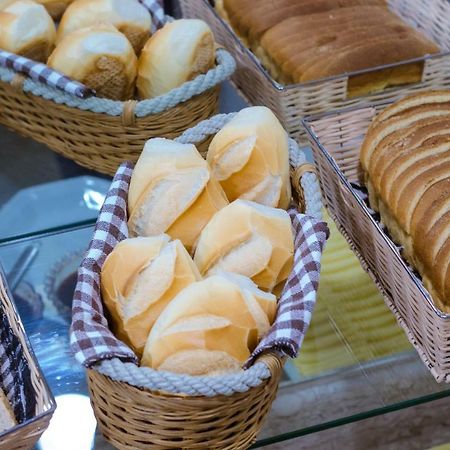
(226, 65)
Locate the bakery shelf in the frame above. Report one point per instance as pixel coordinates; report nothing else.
(306, 403)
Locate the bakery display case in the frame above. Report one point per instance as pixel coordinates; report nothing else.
(355, 362)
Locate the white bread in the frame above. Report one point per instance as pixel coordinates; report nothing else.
(138, 279)
(100, 57)
(250, 158)
(27, 29)
(249, 239)
(55, 7)
(172, 191)
(213, 320)
(129, 16)
(176, 53)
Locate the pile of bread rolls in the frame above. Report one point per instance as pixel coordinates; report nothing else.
(107, 44)
(194, 288)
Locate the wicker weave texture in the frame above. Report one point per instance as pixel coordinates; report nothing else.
(26, 435)
(97, 141)
(293, 102)
(137, 418)
(157, 420)
(336, 140)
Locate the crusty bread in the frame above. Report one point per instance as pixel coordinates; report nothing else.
(249, 239)
(100, 57)
(172, 191)
(406, 165)
(138, 279)
(55, 7)
(27, 29)
(250, 158)
(213, 321)
(176, 53)
(129, 16)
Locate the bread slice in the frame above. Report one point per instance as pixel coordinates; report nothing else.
(250, 158)
(407, 156)
(249, 239)
(172, 191)
(138, 279)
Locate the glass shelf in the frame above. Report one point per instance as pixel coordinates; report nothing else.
(347, 371)
(355, 362)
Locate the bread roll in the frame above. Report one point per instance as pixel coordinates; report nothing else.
(128, 16)
(212, 321)
(176, 53)
(250, 158)
(138, 279)
(249, 239)
(173, 192)
(100, 57)
(55, 7)
(27, 29)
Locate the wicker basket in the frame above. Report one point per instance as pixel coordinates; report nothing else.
(336, 139)
(28, 431)
(99, 133)
(291, 103)
(137, 418)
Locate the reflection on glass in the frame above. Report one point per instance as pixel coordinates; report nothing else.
(72, 426)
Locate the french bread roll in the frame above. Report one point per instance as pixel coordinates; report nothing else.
(212, 321)
(176, 53)
(138, 279)
(27, 29)
(55, 7)
(100, 57)
(250, 158)
(172, 191)
(129, 16)
(248, 239)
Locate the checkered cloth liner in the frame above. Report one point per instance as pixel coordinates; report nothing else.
(41, 72)
(44, 74)
(15, 375)
(92, 341)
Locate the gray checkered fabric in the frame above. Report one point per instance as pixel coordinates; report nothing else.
(92, 341)
(15, 374)
(157, 12)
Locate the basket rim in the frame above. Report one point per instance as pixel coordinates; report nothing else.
(224, 68)
(293, 86)
(263, 358)
(51, 399)
(390, 244)
(192, 135)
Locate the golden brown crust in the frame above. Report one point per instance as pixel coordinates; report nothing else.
(407, 156)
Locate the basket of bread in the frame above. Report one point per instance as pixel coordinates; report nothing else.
(200, 279)
(385, 180)
(109, 76)
(26, 403)
(309, 57)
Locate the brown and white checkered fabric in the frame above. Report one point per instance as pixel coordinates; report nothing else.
(91, 339)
